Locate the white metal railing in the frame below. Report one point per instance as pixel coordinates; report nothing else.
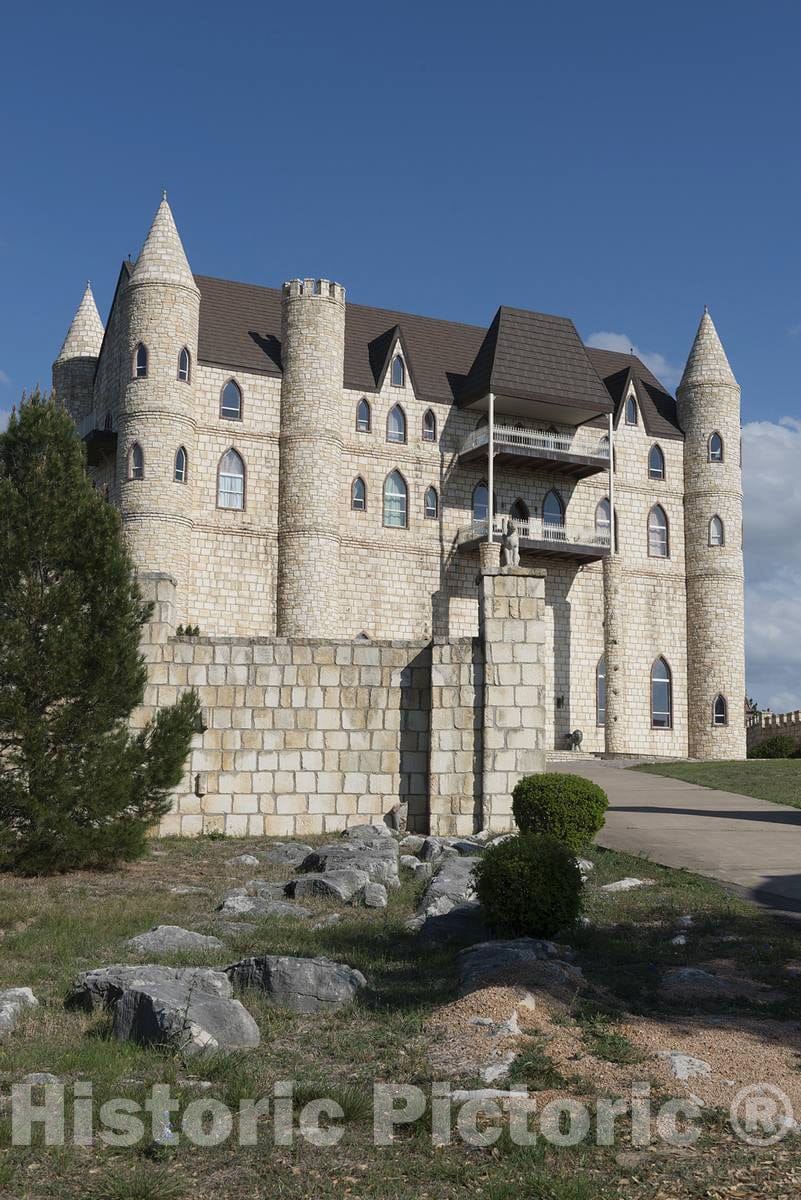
(580, 441)
(538, 530)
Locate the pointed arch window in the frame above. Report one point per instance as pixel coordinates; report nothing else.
(603, 521)
(661, 695)
(358, 495)
(480, 502)
(396, 496)
(140, 357)
(363, 416)
(553, 517)
(717, 534)
(231, 401)
(658, 537)
(398, 375)
(720, 710)
(600, 691)
(136, 462)
(184, 366)
(231, 481)
(431, 504)
(716, 448)
(181, 473)
(656, 463)
(631, 411)
(520, 517)
(429, 426)
(396, 424)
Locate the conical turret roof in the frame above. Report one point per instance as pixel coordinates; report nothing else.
(85, 335)
(707, 362)
(163, 259)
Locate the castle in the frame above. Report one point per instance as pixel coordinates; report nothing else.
(322, 489)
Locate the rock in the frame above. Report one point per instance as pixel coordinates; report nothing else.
(585, 866)
(462, 1095)
(40, 1078)
(289, 854)
(477, 964)
(431, 849)
(452, 884)
(260, 906)
(500, 838)
(412, 843)
(176, 1016)
(686, 921)
(243, 860)
(464, 922)
(692, 981)
(170, 939)
(374, 895)
(378, 859)
(410, 862)
(13, 1002)
(679, 940)
(330, 885)
(466, 847)
(497, 1070)
(236, 928)
(423, 870)
(685, 1066)
(265, 888)
(102, 987)
(328, 919)
(449, 852)
(625, 885)
(367, 833)
(182, 890)
(307, 985)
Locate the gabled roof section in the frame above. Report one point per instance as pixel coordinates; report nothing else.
(657, 406)
(381, 353)
(534, 356)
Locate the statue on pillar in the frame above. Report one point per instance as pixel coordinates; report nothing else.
(510, 544)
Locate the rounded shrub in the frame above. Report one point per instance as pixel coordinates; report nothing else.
(567, 807)
(529, 886)
(780, 746)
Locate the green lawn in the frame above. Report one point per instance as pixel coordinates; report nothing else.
(776, 779)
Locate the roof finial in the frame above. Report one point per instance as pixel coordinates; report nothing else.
(706, 308)
(164, 193)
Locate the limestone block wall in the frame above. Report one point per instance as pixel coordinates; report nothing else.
(457, 723)
(762, 726)
(513, 633)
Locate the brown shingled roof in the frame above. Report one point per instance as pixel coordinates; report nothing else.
(657, 406)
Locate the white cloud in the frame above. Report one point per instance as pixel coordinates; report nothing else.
(666, 372)
(772, 513)
(5, 379)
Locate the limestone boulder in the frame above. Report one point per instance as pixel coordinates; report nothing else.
(341, 885)
(374, 895)
(172, 939)
(286, 854)
(183, 1019)
(478, 965)
(239, 903)
(307, 985)
(378, 859)
(13, 1002)
(103, 986)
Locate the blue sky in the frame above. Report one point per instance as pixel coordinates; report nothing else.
(622, 163)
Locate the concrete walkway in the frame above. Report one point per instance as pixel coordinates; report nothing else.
(751, 844)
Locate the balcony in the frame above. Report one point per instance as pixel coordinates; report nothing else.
(100, 443)
(580, 453)
(554, 539)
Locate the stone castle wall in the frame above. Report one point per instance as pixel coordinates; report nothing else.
(760, 727)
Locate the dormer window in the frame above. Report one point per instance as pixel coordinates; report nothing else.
(398, 372)
(631, 411)
(184, 364)
(140, 361)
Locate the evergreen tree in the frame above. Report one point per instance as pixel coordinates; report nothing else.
(78, 788)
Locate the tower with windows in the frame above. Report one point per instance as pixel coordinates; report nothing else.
(709, 413)
(157, 421)
(74, 369)
(310, 456)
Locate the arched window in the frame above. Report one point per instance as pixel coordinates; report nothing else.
(398, 372)
(603, 446)
(716, 448)
(429, 426)
(136, 462)
(521, 516)
(656, 463)
(658, 542)
(431, 504)
(720, 711)
(603, 521)
(631, 411)
(396, 424)
(600, 691)
(481, 502)
(362, 416)
(231, 481)
(231, 401)
(358, 494)
(395, 501)
(553, 516)
(482, 422)
(181, 465)
(717, 536)
(184, 365)
(661, 695)
(140, 361)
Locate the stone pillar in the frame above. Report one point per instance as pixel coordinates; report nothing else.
(512, 626)
(614, 656)
(454, 775)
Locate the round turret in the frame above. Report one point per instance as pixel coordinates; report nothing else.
(158, 414)
(74, 369)
(709, 413)
(312, 355)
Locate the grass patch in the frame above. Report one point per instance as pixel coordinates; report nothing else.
(777, 780)
(534, 1068)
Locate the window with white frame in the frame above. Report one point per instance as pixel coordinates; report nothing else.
(358, 494)
(396, 496)
(396, 424)
(231, 481)
(431, 504)
(658, 539)
(231, 401)
(661, 695)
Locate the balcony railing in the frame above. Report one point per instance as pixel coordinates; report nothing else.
(563, 535)
(587, 442)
